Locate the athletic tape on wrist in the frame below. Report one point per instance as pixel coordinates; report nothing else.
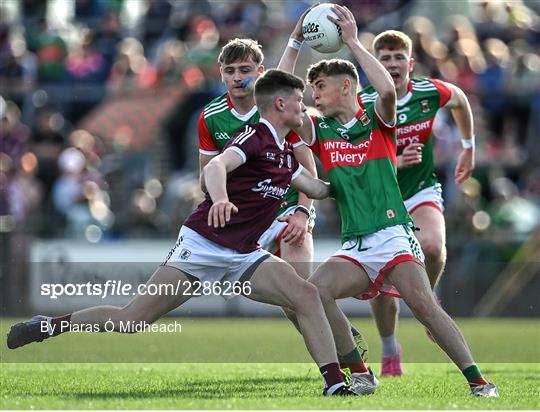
(468, 143)
(294, 44)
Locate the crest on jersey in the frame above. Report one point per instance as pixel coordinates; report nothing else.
(365, 119)
(425, 106)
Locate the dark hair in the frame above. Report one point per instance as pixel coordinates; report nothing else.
(332, 67)
(240, 50)
(275, 83)
(392, 40)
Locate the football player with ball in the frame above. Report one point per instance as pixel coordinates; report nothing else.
(358, 149)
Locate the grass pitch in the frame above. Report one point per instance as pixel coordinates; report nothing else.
(266, 369)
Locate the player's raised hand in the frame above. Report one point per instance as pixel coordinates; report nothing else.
(220, 213)
(465, 166)
(411, 155)
(345, 20)
(297, 33)
(296, 230)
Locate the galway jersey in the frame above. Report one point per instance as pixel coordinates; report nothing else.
(257, 188)
(360, 160)
(415, 115)
(219, 121)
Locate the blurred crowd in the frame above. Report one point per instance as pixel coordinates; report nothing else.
(66, 66)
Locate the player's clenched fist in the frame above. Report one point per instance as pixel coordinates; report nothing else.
(412, 155)
(220, 213)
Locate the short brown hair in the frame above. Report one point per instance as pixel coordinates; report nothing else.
(392, 40)
(275, 83)
(332, 67)
(240, 50)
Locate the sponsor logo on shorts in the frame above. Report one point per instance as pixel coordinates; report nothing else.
(401, 252)
(185, 254)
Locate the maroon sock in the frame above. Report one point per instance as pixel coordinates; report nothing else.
(60, 324)
(331, 374)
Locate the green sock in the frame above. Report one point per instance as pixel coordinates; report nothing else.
(354, 361)
(473, 375)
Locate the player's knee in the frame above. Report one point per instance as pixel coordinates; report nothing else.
(433, 248)
(386, 303)
(306, 296)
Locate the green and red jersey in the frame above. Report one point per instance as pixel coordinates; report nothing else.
(415, 116)
(360, 160)
(219, 121)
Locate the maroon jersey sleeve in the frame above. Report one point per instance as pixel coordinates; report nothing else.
(443, 90)
(246, 143)
(206, 144)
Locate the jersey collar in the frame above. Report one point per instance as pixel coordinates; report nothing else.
(243, 117)
(404, 100)
(280, 144)
(353, 121)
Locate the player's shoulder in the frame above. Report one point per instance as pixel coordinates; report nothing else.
(424, 85)
(368, 95)
(217, 105)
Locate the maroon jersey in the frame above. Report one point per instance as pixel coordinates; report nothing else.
(257, 188)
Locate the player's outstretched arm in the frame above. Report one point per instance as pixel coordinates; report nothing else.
(462, 113)
(314, 188)
(377, 75)
(215, 178)
(290, 54)
(297, 223)
(203, 161)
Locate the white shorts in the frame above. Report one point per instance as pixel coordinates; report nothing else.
(270, 240)
(379, 252)
(208, 261)
(430, 196)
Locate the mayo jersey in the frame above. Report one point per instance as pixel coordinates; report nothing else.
(257, 188)
(360, 159)
(219, 121)
(415, 115)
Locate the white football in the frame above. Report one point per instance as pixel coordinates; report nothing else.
(319, 32)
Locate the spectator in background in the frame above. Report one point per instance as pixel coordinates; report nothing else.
(47, 141)
(155, 19)
(491, 88)
(129, 62)
(107, 38)
(84, 63)
(522, 84)
(17, 71)
(51, 52)
(18, 191)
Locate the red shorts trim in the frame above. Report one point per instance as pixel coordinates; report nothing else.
(379, 280)
(430, 204)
